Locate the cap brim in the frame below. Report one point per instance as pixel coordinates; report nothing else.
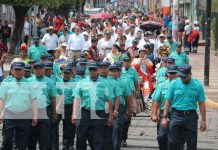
(93, 67)
(183, 75)
(38, 66)
(18, 68)
(48, 68)
(65, 71)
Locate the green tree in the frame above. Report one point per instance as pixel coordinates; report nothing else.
(21, 7)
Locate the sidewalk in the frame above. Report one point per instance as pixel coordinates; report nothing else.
(197, 62)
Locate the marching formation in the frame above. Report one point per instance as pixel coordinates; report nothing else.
(90, 74)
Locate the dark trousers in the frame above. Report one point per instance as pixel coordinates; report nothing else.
(162, 134)
(113, 135)
(180, 123)
(42, 131)
(69, 130)
(94, 127)
(21, 127)
(126, 128)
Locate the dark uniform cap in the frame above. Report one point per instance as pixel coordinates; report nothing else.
(72, 64)
(93, 65)
(38, 64)
(48, 65)
(179, 44)
(184, 70)
(18, 65)
(83, 61)
(67, 69)
(171, 60)
(27, 67)
(104, 63)
(80, 71)
(32, 61)
(43, 56)
(119, 64)
(126, 59)
(49, 56)
(169, 36)
(172, 69)
(83, 55)
(35, 38)
(164, 59)
(114, 66)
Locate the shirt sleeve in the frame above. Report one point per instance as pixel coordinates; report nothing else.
(77, 91)
(157, 95)
(136, 77)
(170, 91)
(201, 93)
(3, 92)
(44, 39)
(53, 90)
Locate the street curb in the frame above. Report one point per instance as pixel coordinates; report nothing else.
(212, 104)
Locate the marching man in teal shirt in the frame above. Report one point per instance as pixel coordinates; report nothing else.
(18, 100)
(182, 96)
(93, 98)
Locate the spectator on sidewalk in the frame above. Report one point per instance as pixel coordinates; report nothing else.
(5, 32)
(26, 30)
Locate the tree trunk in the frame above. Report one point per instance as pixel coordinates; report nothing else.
(82, 7)
(20, 13)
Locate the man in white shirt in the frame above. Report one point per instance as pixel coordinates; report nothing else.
(75, 44)
(26, 30)
(187, 32)
(87, 43)
(50, 40)
(131, 36)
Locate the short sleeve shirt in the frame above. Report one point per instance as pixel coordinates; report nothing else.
(17, 95)
(93, 94)
(45, 89)
(185, 96)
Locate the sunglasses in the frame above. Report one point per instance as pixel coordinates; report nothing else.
(93, 69)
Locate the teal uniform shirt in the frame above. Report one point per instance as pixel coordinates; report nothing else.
(172, 46)
(93, 94)
(160, 75)
(56, 79)
(68, 88)
(45, 89)
(131, 72)
(17, 95)
(185, 96)
(34, 52)
(180, 59)
(125, 89)
(114, 87)
(56, 70)
(160, 93)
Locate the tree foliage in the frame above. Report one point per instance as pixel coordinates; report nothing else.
(30, 3)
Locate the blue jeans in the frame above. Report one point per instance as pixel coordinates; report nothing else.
(19, 126)
(86, 126)
(179, 124)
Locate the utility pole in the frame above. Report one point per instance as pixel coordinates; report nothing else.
(175, 19)
(207, 43)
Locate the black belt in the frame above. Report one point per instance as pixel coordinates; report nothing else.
(184, 112)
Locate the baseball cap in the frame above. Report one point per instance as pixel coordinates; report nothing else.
(126, 59)
(172, 69)
(48, 65)
(184, 70)
(18, 65)
(27, 67)
(104, 63)
(169, 36)
(38, 64)
(93, 65)
(171, 60)
(67, 69)
(114, 66)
